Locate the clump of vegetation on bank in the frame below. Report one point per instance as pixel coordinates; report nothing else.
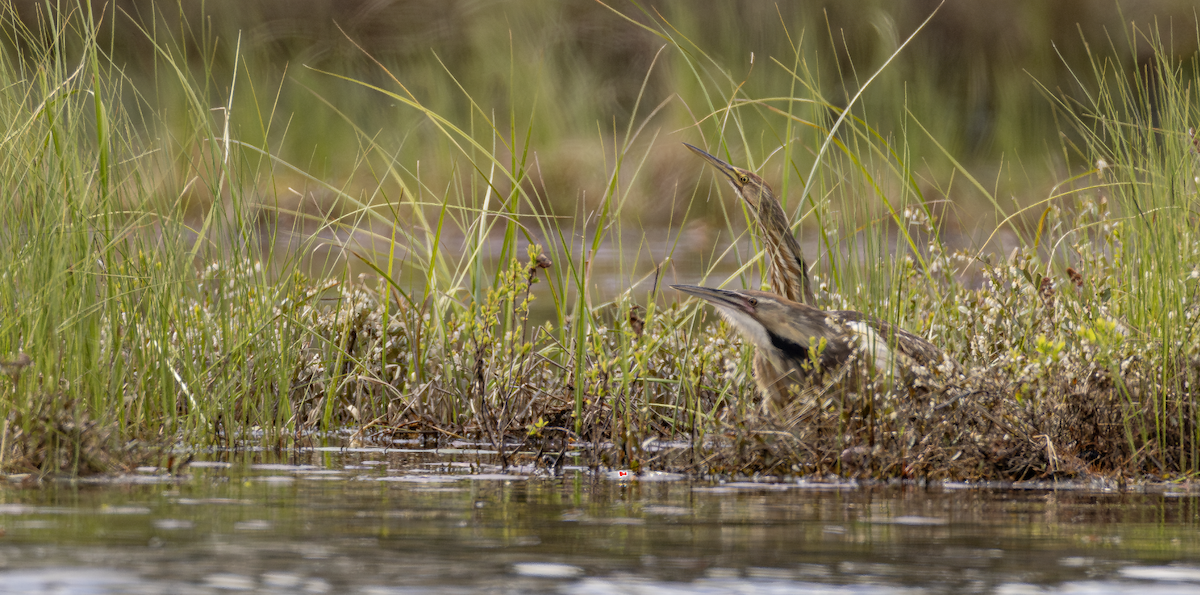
(135, 324)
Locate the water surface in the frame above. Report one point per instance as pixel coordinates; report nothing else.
(376, 521)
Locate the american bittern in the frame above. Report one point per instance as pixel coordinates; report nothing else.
(793, 340)
(787, 337)
(763, 317)
(787, 269)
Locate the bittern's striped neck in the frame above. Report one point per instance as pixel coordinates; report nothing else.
(786, 266)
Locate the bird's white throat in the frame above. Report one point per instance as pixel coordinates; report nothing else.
(749, 327)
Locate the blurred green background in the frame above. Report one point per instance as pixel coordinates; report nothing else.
(569, 74)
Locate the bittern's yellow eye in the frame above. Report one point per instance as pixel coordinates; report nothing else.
(753, 301)
(743, 179)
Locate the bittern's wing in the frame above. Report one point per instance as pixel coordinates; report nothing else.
(909, 346)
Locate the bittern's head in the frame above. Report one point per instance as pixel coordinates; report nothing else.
(757, 315)
(746, 183)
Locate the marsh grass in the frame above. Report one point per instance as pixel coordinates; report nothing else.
(131, 341)
(139, 322)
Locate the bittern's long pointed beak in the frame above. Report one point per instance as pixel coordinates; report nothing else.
(730, 171)
(718, 297)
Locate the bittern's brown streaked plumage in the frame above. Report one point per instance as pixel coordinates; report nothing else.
(786, 333)
(787, 269)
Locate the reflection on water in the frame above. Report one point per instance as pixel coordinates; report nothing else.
(379, 522)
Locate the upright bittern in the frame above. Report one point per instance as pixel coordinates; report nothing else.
(787, 269)
(777, 324)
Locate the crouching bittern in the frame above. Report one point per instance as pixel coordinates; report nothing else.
(791, 337)
(794, 341)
